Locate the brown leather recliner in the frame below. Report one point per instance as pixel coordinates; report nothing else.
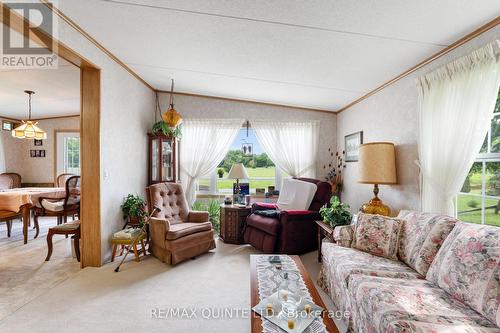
(176, 232)
(292, 231)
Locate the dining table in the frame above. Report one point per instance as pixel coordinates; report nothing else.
(21, 200)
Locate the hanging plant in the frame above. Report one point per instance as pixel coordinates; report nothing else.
(162, 128)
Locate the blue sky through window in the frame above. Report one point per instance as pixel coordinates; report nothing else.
(242, 138)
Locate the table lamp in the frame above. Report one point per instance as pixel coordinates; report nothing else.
(238, 172)
(377, 166)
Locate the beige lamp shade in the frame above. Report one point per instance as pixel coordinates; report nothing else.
(238, 171)
(377, 163)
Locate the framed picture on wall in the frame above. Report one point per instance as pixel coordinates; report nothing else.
(7, 125)
(352, 143)
(38, 142)
(32, 153)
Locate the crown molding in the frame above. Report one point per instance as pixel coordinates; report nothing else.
(248, 101)
(488, 26)
(91, 39)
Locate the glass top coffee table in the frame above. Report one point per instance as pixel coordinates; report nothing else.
(256, 320)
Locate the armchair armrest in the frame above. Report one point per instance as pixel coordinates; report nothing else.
(158, 228)
(344, 235)
(263, 206)
(300, 215)
(198, 216)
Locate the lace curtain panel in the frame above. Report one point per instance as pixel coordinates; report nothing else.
(205, 142)
(292, 146)
(456, 104)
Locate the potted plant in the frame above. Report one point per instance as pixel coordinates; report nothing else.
(134, 209)
(162, 128)
(337, 214)
(220, 171)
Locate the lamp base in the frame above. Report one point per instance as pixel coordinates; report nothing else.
(375, 205)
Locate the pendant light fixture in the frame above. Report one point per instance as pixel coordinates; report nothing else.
(172, 117)
(29, 129)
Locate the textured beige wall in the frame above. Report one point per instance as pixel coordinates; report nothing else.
(127, 113)
(391, 115)
(202, 107)
(40, 169)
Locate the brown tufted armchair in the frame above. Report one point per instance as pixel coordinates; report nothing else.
(176, 232)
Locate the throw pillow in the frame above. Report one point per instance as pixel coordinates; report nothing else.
(422, 235)
(468, 267)
(378, 235)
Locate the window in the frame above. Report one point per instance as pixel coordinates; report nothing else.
(479, 199)
(68, 152)
(247, 150)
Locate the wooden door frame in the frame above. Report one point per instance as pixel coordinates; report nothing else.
(90, 99)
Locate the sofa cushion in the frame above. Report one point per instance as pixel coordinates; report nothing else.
(187, 228)
(339, 263)
(468, 267)
(378, 235)
(296, 194)
(422, 235)
(266, 224)
(382, 304)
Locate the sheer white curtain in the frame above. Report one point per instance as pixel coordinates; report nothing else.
(456, 104)
(292, 146)
(204, 144)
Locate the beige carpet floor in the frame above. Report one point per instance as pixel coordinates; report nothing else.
(24, 273)
(100, 300)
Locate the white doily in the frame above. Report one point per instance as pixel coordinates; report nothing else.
(268, 278)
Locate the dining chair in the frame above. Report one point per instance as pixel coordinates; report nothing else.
(60, 207)
(62, 178)
(7, 217)
(6, 182)
(16, 179)
(70, 228)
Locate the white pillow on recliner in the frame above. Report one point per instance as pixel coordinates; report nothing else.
(296, 195)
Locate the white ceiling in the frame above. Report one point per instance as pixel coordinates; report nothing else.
(57, 92)
(318, 54)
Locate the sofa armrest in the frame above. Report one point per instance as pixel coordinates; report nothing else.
(158, 229)
(263, 206)
(197, 216)
(344, 235)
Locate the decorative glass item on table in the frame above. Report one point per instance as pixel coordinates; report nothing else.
(163, 157)
(289, 294)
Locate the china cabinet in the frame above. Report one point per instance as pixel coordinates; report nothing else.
(163, 159)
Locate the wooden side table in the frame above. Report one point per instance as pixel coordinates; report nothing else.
(233, 222)
(324, 231)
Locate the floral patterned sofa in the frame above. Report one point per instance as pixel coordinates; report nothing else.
(443, 276)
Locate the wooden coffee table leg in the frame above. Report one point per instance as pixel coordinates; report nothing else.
(143, 247)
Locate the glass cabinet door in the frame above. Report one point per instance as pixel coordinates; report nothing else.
(167, 160)
(155, 158)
